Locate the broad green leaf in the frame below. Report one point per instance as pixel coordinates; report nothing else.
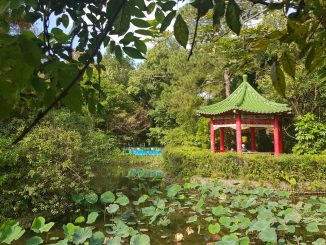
(39, 225)
(69, 230)
(140, 239)
(65, 20)
(173, 190)
(77, 198)
(244, 241)
(225, 221)
(278, 78)
(91, 197)
(167, 6)
(202, 6)
(114, 241)
(167, 20)
(97, 238)
(268, 235)
(140, 23)
(92, 217)
(133, 53)
(312, 227)
(219, 210)
(81, 235)
(122, 21)
(118, 52)
(107, 197)
(80, 219)
(292, 216)
(141, 46)
(10, 231)
(142, 199)
(214, 228)
(35, 240)
(112, 208)
(218, 11)
(288, 63)
(159, 15)
(181, 31)
(192, 219)
(61, 242)
(122, 200)
(319, 241)
(144, 32)
(233, 16)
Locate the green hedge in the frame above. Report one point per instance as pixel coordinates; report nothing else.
(293, 169)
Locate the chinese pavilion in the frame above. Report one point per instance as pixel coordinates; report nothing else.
(245, 109)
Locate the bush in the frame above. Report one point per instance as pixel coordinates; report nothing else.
(191, 161)
(310, 134)
(42, 172)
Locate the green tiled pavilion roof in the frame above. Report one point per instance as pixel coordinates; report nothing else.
(244, 98)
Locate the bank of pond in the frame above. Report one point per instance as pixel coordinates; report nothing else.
(138, 206)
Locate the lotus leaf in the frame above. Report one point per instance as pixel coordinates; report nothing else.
(39, 225)
(173, 190)
(80, 219)
(112, 208)
(114, 241)
(319, 241)
(10, 231)
(92, 217)
(35, 240)
(140, 239)
(312, 227)
(107, 197)
(97, 238)
(268, 235)
(91, 198)
(214, 228)
(192, 219)
(123, 200)
(225, 221)
(81, 235)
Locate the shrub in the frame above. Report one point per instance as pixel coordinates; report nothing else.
(42, 172)
(310, 134)
(190, 161)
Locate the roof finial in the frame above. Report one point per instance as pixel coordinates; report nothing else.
(245, 77)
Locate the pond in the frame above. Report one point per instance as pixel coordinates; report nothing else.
(139, 200)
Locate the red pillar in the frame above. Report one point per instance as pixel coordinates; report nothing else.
(276, 137)
(213, 149)
(222, 140)
(238, 132)
(281, 136)
(252, 139)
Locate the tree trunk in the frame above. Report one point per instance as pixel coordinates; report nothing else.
(227, 83)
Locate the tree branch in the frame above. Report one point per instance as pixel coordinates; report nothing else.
(195, 35)
(64, 93)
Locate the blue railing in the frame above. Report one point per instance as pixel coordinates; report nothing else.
(143, 151)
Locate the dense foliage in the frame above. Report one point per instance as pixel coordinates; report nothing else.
(310, 135)
(54, 161)
(305, 172)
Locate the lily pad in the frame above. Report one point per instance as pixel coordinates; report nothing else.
(92, 217)
(214, 228)
(35, 240)
(107, 197)
(312, 227)
(140, 239)
(268, 235)
(112, 208)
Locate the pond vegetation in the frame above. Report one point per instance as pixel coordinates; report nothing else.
(146, 210)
